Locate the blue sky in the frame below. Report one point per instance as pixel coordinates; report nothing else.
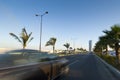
(72, 21)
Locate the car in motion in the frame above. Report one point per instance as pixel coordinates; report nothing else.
(27, 64)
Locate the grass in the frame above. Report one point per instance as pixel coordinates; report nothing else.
(110, 60)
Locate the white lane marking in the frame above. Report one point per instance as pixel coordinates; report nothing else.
(73, 63)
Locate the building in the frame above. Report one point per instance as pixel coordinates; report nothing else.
(90, 45)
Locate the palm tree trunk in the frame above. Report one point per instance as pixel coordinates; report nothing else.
(67, 51)
(23, 47)
(106, 49)
(53, 48)
(117, 53)
(102, 51)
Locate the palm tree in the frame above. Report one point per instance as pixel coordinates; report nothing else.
(104, 41)
(99, 47)
(24, 37)
(67, 45)
(51, 42)
(114, 39)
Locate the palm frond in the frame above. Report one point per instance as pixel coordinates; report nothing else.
(67, 45)
(31, 39)
(15, 36)
(51, 42)
(30, 34)
(24, 31)
(24, 35)
(48, 43)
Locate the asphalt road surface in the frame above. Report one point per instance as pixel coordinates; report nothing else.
(89, 67)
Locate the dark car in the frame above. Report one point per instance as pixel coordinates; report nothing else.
(28, 64)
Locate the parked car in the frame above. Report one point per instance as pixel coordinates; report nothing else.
(112, 53)
(28, 64)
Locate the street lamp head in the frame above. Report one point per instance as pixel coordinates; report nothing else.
(42, 14)
(46, 12)
(36, 15)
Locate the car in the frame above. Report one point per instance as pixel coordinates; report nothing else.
(27, 64)
(112, 53)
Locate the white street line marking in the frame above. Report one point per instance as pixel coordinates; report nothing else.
(73, 63)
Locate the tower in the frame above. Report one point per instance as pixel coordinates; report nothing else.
(90, 45)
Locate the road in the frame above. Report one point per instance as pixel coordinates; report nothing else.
(89, 67)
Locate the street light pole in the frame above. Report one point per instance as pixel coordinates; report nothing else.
(41, 16)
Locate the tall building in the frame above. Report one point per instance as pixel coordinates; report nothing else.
(90, 45)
